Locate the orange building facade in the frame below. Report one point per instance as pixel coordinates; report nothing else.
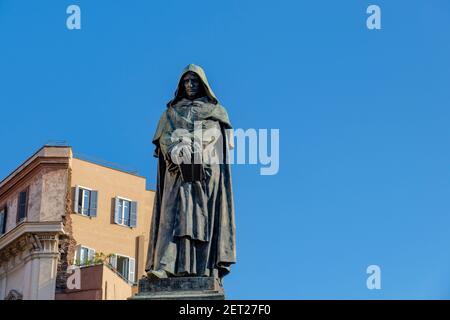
(72, 229)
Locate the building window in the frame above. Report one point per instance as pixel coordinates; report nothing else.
(85, 201)
(125, 212)
(84, 256)
(125, 266)
(3, 220)
(22, 205)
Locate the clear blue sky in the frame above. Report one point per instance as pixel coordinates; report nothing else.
(363, 116)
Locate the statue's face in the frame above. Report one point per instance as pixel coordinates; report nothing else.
(191, 84)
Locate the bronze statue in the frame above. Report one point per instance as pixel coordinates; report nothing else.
(193, 224)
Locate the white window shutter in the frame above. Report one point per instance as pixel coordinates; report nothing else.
(77, 255)
(82, 256)
(75, 200)
(93, 206)
(91, 255)
(117, 214)
(131, 270)
(133, 214)
(113, 261)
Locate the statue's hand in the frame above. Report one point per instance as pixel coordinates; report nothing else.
(181, 153)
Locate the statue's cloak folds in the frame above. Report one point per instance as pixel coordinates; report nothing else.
(193, 224)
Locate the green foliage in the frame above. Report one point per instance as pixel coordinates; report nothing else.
(99, 258)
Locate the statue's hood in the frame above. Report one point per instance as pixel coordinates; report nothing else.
(201, 73)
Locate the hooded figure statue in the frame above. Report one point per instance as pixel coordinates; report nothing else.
(193, 226)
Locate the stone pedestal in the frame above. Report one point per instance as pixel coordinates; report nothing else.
(180, 288)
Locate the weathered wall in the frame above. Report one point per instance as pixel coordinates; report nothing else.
(46, 198)
(32, 269)
(34, 200)
(34, 197)
(67, 242)
(53, 195)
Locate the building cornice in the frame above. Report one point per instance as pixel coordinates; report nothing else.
(54, 157)
(30, 228)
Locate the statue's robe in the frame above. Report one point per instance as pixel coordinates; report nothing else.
(193, 225)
